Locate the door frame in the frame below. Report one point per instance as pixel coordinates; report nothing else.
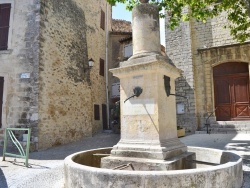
(4, 109)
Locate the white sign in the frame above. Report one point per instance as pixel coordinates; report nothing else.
(139, 107)
(25, 75)
(180, 108)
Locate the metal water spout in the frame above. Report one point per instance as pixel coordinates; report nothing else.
(137, 92)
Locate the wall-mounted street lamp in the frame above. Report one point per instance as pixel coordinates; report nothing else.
(90, 64)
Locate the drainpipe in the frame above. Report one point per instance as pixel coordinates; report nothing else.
(107, 67)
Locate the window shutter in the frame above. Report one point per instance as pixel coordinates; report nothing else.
(4, 25)
(102, 20)
(96, 112)
(101, 67)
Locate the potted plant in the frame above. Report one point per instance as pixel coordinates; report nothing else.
(180, 131)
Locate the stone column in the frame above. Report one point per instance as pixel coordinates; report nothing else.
(146, 32)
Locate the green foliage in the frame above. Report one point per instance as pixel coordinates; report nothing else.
(238, 12)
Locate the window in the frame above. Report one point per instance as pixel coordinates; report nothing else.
(4, 25)
(101, 67)
(115, 92)
(102, 20)
(96, 112)
(128, 50)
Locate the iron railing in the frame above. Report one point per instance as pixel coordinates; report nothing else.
(208, 124)
(23, 154)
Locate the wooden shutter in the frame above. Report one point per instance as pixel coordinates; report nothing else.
(96, 112)
(4, 25)
(102, 20)
(101, 67)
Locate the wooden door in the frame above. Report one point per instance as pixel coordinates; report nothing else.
(104, 117)
(231, 91)
(1, 98)
(240, 103)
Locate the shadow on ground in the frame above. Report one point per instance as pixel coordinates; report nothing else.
(3, 182)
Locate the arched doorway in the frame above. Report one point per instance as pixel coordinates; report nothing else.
(231, 91)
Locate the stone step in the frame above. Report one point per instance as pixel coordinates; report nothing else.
(230, 124)
(228, 127)
(222, 132)
(213, 129)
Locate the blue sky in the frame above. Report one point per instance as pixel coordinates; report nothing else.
(119, 12)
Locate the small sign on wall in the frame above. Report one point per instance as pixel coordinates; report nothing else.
(180, 108)
(25, 75)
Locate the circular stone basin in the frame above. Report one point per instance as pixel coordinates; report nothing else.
(214, 168)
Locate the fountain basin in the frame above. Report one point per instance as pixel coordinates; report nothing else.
(214, 168)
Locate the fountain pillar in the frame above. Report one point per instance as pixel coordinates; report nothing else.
(146, 30)
(148, 122)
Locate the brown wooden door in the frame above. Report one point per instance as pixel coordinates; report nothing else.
(1, 98)
(231, 89)
(240, 97)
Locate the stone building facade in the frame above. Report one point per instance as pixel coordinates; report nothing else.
(19, 66)
(120, 49)
(48, 84)
(200, 51)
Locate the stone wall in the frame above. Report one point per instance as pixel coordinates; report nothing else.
(207, 37)
(178, 49)
(195, 48)
(70, 35)
(20, 101)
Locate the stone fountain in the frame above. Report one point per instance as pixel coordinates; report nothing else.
(148, 122)
(149, 153)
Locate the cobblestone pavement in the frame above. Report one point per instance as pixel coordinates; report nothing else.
(46, 167)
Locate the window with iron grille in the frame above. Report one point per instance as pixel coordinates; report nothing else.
(102, 20)
(4, 25)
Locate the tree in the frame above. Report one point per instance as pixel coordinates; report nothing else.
(238, 12)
